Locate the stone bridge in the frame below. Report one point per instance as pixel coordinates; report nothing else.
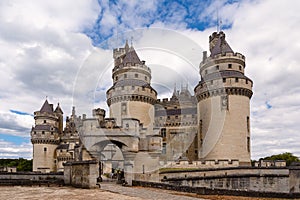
(140, 149)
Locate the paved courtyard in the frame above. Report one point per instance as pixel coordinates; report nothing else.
(108, 191)
(146, 193)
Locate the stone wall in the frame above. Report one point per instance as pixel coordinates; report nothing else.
(266, 180)
(31, 178)
(82, 174)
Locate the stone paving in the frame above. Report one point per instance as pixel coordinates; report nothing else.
(107, 191)
(146, 193)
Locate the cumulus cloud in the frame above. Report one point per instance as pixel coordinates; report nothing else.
(11, 150)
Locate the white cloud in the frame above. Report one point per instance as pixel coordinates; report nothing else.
(11, 150)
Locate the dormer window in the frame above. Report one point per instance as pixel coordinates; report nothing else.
(229, 66)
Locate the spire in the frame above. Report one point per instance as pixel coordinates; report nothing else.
(46, 107)
(58, 109)
(126, 46)
(73, 112)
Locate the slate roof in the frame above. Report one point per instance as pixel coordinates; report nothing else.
(132, 82)
(225, 74)
(221, 46)
(184, 111)
(44, 128)
(131, 57)
(47, 107)
(58, 109)
(63, 146)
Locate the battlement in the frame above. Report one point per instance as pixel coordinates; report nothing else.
(270, 163)
(118, 52)
(222, 56)
(203, 164)
(132, 66)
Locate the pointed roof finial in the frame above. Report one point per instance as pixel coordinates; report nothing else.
(131, 39)
(126, 46)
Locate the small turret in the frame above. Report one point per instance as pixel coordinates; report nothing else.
(45, 137)
(131, 88)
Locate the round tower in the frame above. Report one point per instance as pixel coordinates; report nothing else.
(131, 95)
(223, 95)
(45, 137)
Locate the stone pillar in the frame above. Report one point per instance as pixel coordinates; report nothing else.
(129, 166)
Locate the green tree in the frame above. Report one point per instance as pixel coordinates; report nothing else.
(21, 164)
(288, 157)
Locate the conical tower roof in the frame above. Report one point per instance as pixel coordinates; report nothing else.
(221, 46)
(58, 109)
(46, 107)
(131, 57)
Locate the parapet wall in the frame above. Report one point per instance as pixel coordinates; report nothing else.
(203, 164)
(280, 182)
(31, 178)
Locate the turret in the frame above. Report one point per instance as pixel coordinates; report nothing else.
(45, 137)
(131, 95)
(223, 95)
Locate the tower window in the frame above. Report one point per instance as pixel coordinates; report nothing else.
(136, 75)
(236, 79)
(217, 67)
(246, 81)
(43, 132)
(125, 75)
(164, 148)
(116, 78)
(52, 133)
(229, 66)
(240, 67)
(146, 78)
(124, 109)
(176, 117)
(34, 132)
(45, 121)
(163, 132)
(143, 88)
(224, 80)
(248, 124)
(205, 71)
(248, 144)
(45, 149)
(168, 117)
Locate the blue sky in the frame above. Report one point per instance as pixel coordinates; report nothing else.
(63, 51)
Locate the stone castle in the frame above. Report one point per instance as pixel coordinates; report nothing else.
(211, 124)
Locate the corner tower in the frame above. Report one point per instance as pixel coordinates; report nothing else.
(223, 95)
(45, 137)
(131, 95)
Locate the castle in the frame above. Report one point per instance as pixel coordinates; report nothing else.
(213, 123)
